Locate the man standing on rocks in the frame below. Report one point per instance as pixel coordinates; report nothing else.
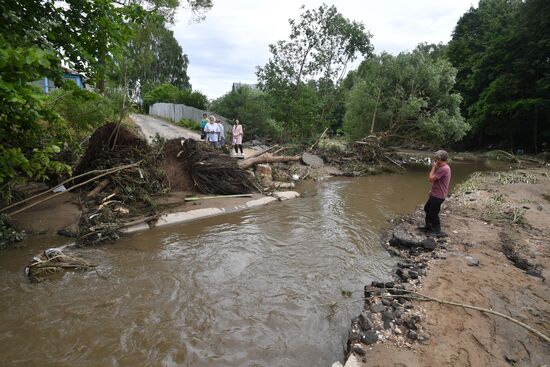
(439, 176)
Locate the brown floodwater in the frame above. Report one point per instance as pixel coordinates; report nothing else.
(243, 289)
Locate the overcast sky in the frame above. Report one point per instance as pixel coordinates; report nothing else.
(227, 46)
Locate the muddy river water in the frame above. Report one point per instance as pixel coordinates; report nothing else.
(243, 289)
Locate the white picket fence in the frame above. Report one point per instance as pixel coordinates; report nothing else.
(176, 112)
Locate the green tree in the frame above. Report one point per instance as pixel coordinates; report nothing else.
(405, 97)
(154, 57)
(499, 50)
(252, 108)
(303, 74)
(169, 93)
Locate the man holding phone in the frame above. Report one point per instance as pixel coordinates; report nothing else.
(439, 176)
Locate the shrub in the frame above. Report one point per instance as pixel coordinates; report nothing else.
(190, 124)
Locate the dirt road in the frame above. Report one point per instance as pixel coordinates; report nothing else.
(150, 126)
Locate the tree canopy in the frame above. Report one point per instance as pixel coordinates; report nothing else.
(405, 97)
(303, 74)
(501, 50)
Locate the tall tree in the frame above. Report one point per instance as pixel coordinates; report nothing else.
(153, 57)
(304, 72)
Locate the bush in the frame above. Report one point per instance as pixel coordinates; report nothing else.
(169, 93)
(83, 110)
(190, 124)
(8, 234)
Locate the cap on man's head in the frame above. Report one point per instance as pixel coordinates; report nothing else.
(442, 155)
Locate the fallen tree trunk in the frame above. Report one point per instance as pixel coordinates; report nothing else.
(257, 154)
(103, 184)
(249, 162)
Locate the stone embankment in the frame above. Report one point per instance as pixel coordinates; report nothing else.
(496, 256)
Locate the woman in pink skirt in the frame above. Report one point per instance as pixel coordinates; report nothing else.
(238, 137)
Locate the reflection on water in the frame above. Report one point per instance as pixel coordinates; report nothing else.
(245, 289)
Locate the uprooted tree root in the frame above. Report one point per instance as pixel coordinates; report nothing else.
(129, 193)
(213, 172)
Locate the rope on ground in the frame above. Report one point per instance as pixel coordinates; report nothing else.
(423, 298)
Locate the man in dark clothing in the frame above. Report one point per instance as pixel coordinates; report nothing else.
(439, 176)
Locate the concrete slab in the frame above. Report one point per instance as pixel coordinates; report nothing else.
(135, 228)
(173, 218)
(261, 201)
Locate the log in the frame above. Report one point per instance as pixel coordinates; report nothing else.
(257, 154)
(196, 198)
(249, 162)
(103, 184)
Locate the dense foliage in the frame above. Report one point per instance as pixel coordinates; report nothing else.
(92, 37)
(501, 50)
(303, 75)
(405, 97)
(251, 106)
(169, 93)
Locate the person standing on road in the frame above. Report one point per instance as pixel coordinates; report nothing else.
(221, 141)
(439, 176)
(212, 131)
(238, 137)
(204, 121)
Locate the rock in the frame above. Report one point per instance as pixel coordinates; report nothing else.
(377, 307)
(510, 359)
(416, 318)
(411, 324)
(404, 265)
(377, 284)
(404, 238)
(398, 322)
(423, 339)
(408, 305)
(389, 284)
(412, 334)
(472, 261)
(364, 321)
(413, 274)
(386, 302)
(312, 160)
(388, 315)
(263, 169)
(285, 195)
(401, 274)
(397, 331)
(370, 337)
(358, 350)
(429, 244)
(67, 233)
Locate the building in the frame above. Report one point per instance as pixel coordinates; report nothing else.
(47, 85)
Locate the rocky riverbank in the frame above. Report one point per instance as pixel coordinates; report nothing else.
(496, 256)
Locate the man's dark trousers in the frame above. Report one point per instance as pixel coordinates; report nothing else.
(432, 208)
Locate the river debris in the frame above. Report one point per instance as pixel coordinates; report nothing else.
(125, 195)
(52, 261)
(364, 157)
